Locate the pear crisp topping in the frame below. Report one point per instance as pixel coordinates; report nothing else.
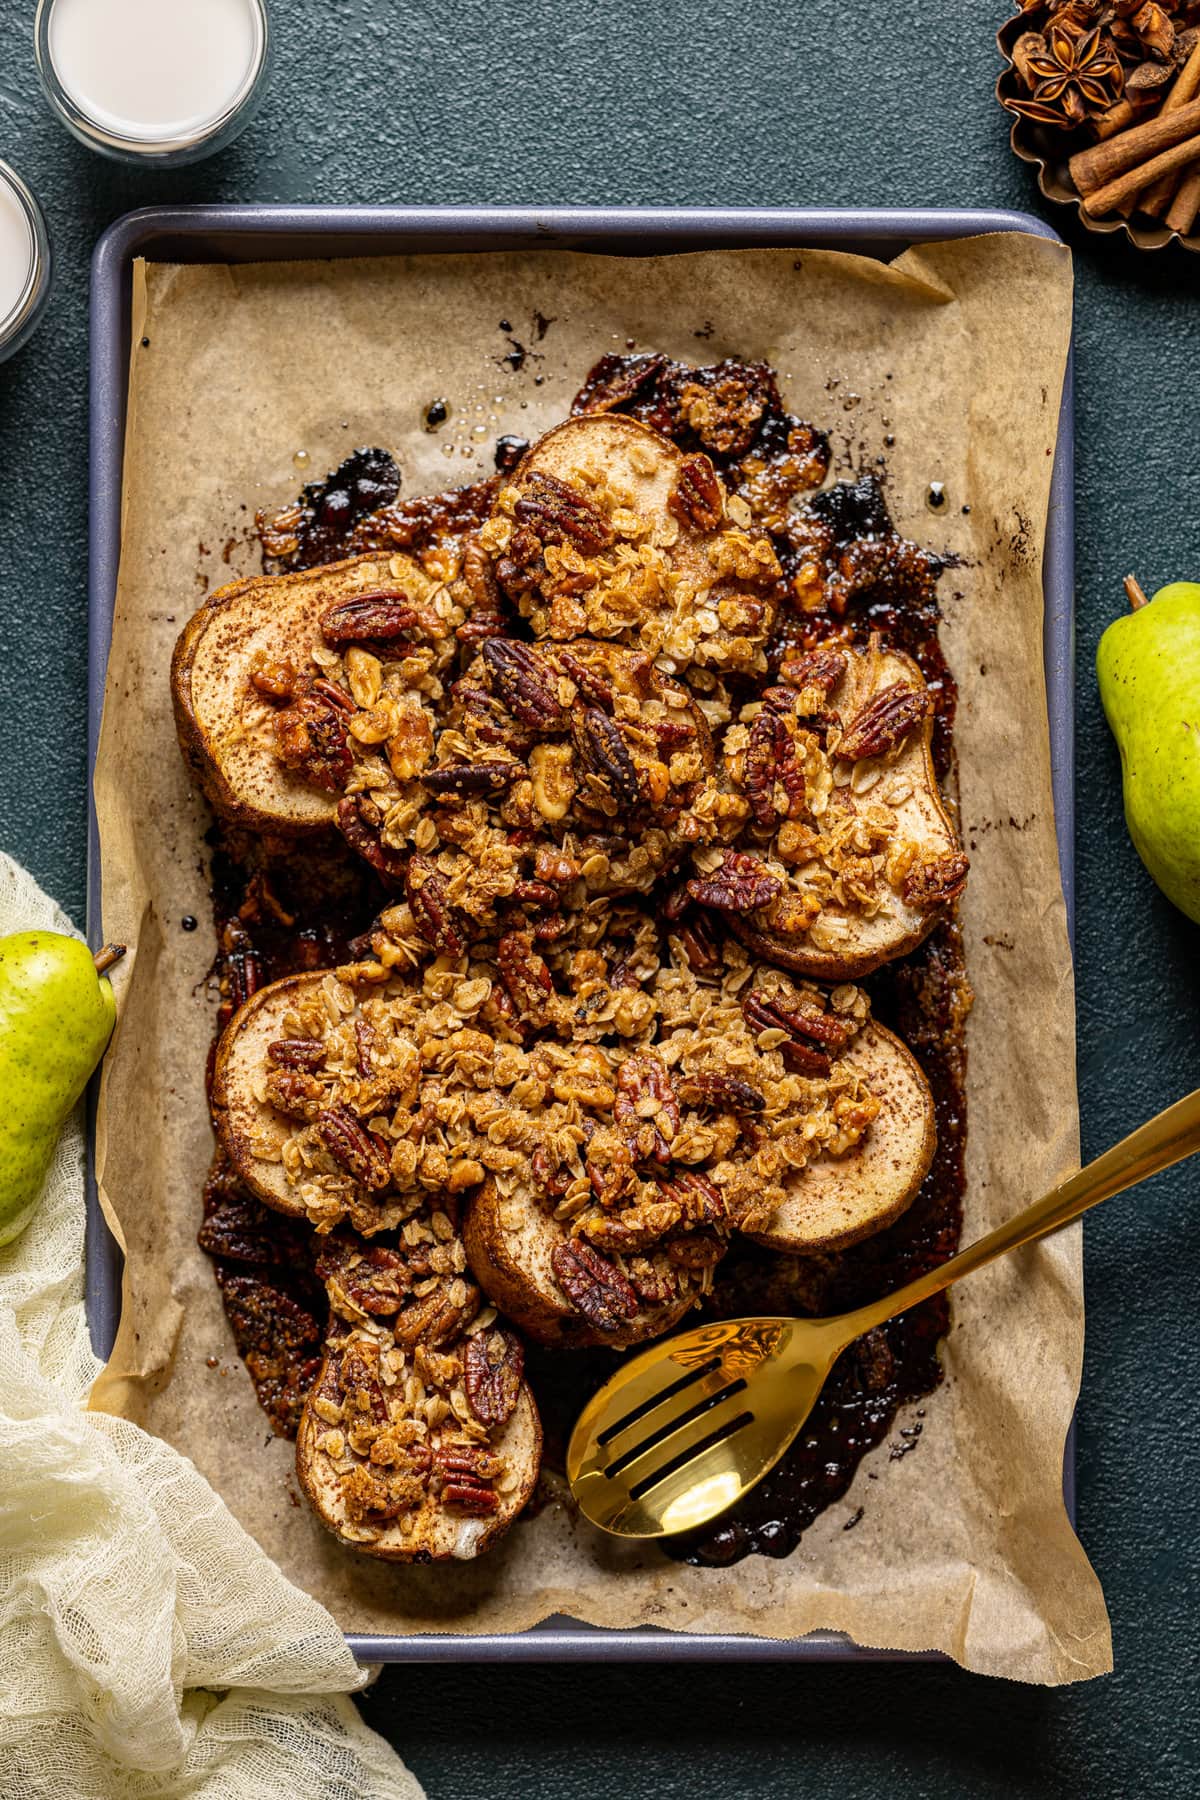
(819, 763)
(691, 582)
(520, 806)
(650, 1132)
(416, 1380)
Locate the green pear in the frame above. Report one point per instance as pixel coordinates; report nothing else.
(56, 1015)
(1148, 664)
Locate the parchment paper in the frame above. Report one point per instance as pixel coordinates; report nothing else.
(957, 353)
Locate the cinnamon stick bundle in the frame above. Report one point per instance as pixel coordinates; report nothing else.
(1186, 87)
(1114, 193)
(1186, 204)
(1096, 168)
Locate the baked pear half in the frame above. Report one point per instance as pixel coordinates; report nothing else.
(328, 1089)
(253, 1131)
(839, 1199)
(560, 1289)
(282, 682)
(847, 857)
(393, 1513)
(608, 530)
(416, 1452)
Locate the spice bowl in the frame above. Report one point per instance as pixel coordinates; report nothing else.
(1049, 151)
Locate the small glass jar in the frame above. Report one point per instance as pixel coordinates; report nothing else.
(153, 81)
(24, 262)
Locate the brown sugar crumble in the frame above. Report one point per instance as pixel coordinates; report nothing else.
(499, 777)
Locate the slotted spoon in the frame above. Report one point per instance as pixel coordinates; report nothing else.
(686, 1428)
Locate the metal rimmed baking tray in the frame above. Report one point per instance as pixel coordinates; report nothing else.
(241, 234)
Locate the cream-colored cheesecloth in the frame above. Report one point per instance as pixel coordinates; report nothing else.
(148, 1647)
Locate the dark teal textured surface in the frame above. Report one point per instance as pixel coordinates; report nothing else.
(824, 102)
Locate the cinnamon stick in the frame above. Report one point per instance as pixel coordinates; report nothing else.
(1184, 88)
(1115, 119)
(1186, 203)
(1114, 193)
(1093, 168)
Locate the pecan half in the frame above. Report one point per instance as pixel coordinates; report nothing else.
(741, 884)
(937, 881)
(699, 946)
(603, 750)
(646, 1110)
(471, 780)
(671, 733)
(311, 739)
(770, 763)
(374, 1279)
(594, 1286)
(494, 1365)
(805, 1030)
(365, 839)
(700, 1200)
(559, 513)
(696, 498)
(364, 1044)
(611, 1174)
(885, 721)
(294, 1093)
(819, 670)
(466, 1472)
(654, 1280)
(436, 1318)
(593, 687)
(296, 1053)
(525, 682)
(428, 897)
(485, 618)
(727, 1092)
(637, 1228)
(526, 978)
(538, 894)
(381, 614)
(358, 1380)
(548, 1177)
(358, 1150)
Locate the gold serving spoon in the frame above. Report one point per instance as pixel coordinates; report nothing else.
(689, 1426)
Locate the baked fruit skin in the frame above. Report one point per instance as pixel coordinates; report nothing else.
(837, 1201)
(607, 530)
(243, 1123)
(515, 1269)
(433, 1529)
(269, 626)
(871, 827)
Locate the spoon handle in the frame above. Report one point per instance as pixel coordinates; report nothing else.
(1164, 1140)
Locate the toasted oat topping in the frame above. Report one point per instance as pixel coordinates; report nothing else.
(416, 1382)
(585, 558)
(650, 1104)
(813, 760)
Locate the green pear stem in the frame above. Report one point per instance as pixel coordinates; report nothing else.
(1136, 592)
(104, 959)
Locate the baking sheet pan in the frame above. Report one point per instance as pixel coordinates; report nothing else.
(239, 234)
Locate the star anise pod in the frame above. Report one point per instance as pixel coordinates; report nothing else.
(1078, 72)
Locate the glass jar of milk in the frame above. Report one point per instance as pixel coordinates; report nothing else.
(24, 261)
(162, 81)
